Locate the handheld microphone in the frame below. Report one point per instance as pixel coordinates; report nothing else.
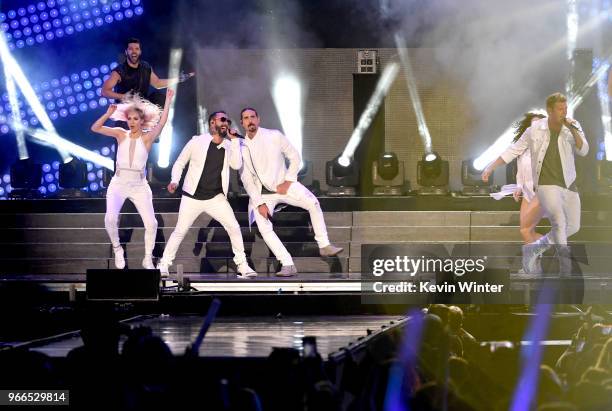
(571, 124)
(234, 133)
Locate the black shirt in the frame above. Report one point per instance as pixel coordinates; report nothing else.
(210, 180)
(552, 170)
(134, 79)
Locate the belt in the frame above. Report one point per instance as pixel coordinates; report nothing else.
(266, 191)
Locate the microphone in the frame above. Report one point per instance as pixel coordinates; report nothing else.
(571, 124)
(234, 133)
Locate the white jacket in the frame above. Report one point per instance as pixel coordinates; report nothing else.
(195, 153)
(264, 162)
(536, 138)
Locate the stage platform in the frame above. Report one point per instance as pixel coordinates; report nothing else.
(52, 242)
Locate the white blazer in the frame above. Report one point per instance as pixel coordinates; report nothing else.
(195, 153)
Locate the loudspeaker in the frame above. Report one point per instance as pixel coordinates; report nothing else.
(122, 285)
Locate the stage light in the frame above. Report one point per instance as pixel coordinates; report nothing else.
(382, 88)
(342, 181)
(432, 174)
(471, 178)
(14, 71)
(388, 175)
(165, 139)
(25, 178)
(305, 176)
(57, 22)
(413, 92)
(287, 96)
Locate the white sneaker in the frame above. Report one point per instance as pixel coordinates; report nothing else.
(245, 271)
(147, 262)
(119, 258)
(163, 269)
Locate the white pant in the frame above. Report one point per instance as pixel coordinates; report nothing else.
(218, 208)
(298, 196)
(130, 186)
(562, 207)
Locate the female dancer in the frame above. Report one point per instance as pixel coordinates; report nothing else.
(531, 213)
(145, 121)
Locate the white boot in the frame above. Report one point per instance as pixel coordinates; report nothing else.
(147, 262)
(119, 258)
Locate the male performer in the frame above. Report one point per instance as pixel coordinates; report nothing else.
(205, 189)
(135, 76)
(553, 142)
(268, 182)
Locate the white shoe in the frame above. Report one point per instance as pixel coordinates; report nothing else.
(531, 259)
(163, 269)
(245, 271)
(119, 258)
(147, 262)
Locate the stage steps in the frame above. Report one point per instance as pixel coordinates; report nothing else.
(70, 243)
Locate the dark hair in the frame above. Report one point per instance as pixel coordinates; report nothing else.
(214, 114)
(248, 108)
(130, 41)
(555, 98)
(523, 124)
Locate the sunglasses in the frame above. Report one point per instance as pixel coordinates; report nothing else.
(224, 119)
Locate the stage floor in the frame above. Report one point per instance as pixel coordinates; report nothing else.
(245, 336)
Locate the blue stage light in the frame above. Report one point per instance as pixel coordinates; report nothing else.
(55, 165)
(49, 178)
(91, 176)
(83, 107)
(52, 188)
(80, 97)
(41, 189)
(60, 102)
(73, 110)
(46, 168)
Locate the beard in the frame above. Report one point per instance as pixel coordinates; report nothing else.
(133, 60)
(220, 131)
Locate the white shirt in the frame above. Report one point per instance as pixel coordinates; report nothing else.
(536, 138)
(195, 153)
(264, 162)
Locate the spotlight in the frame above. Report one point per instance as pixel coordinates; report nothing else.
(158, 178)
(342, 180)
(472, 181)
(72, 178)
(73, 174)
(305, 176)
(432, 174)
(388, 175)
(26, 178)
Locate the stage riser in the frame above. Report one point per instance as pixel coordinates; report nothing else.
(216, 234)
(50, 243)
(96, 220)
(190, 265)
